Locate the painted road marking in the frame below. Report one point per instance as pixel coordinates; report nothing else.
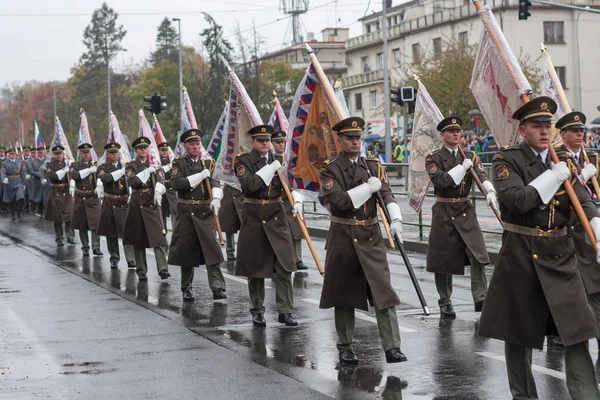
(534, 367)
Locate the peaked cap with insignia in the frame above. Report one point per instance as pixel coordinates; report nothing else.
(572, 120)
(540, 109)
(351, 126)
(191, 135)
(452, 122)
(140, 141)
(261, 132)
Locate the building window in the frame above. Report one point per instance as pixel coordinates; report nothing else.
(364, 61)
(416, 53)
(379, 60)
(292, 59)
(368, 28)
(396, 57)
(437, 47)
(562, 75)
(358, 101)
(554, 32)
(463, 39)
(373, 97)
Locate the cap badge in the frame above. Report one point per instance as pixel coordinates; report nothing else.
(354, 124)
(263, 130)
(453, 121)
(576, 118)
(544, 106)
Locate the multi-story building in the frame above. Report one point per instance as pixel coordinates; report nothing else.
(419, 27)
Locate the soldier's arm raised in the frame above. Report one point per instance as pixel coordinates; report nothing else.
(512, 191)
(333, 191)
(249, 181)
(440, 178)
(132, 180)
(178, 179)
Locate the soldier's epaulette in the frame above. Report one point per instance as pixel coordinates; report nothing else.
(330, 160)
(513, 147)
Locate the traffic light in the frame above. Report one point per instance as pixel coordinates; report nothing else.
(369, 127)
(396, 96)
(407, 93)
(524, 9)
(157, 103)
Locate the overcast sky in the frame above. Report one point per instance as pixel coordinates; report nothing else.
(42, 39)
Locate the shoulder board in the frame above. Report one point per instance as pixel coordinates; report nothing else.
(330, 160)
(435, 152)
(514, 147)
(179, 158)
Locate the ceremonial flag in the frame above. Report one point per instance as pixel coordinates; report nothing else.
(188, 121)
(214, 146)
(425, 140)
(160, 138)
(497, 81)
(310, 140)
(552, 87)
(241, 116)
(84, 135)
(146, 131)
(278, 119)
(60, 139)
(38, 137)
(116, 136)
(339, 94)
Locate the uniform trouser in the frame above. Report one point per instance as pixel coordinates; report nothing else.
(387, 323)
(579, 368)
(171, 197)
(59, 233)
(141, 264)
(215, 277)
(594, 302)
(230, 244)
(85, 243)
(284, 293)
(443, 282)
(298, 249)
(113, 249)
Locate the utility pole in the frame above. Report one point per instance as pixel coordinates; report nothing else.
(108, 80)
(180, 71)
(54, 98)
(386, 87)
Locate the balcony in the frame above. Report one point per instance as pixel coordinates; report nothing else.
(364, 79)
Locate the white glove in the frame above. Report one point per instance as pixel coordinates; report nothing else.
(266, 173)
(84, 173)
(588, 171)
(93, 169)
(458, 173)
(595, 223)
(561, 171)
(396, 229)
(298, 201)
(492, 200)
(159, 190)
(116, 175)
(467, 164)
(548, 183)
(5, 181)
(66, 169)
(144, 175)
(374, 184)
(151, 170)
(27, 176)
(276, 165)
(195, 179)
(166, 168)
(99, 189)
(217, 195)
(72, 188)
(129, 191)
(44, 181)
(61, 173)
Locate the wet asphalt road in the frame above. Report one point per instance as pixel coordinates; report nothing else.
(108, 335)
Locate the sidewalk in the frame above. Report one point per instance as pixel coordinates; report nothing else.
(67, 338)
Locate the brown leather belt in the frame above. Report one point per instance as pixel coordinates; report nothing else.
(13, 176)
(140, 190)
(194, 202)
(116, 196)
(262, 202)
(85, 192)
(536, 232)
(58, 184)
(354, 221)
(451, 199)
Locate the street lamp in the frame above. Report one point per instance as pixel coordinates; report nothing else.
(180, 71)
(579, 58)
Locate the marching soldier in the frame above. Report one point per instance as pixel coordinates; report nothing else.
(14, 173)
(278, 141)
(28, 160)
(193, 241)
(356, 268)
(59, 206)
(144, 224)
(37, 176)
(169, 201)
(536, 287)
(265, 242)
(571, 130)
(86, 207)
(2, 159)
(455, 234)
(114, 206)
(230, 217)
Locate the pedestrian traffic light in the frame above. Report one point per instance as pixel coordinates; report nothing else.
(369, 127)
(524, 9)
(407, 93)
(396, 96)
(157, 103)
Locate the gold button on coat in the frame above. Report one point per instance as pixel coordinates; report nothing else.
(535, 256)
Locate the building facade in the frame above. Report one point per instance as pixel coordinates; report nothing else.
(421, 27)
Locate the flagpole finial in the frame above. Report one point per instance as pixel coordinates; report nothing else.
(154, 115)
(543, 47)
(81, 110)
(416, 78)
(57, 119)
(274, 94)
(308, 48)
(111, 113)
(184, 89)
(224, 61)
(337, 84)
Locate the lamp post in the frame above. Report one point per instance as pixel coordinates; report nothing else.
(180, 70)
(579, 59)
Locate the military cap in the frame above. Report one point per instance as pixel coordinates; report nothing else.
(261, 132)
(26, 147)
(2, 148)
(452, 122)
(540, 109)
(163, 145)
(191, 135)
(278, 136)
(48, 147)
(112, 147)
(351, 126)
(58, 149)
(84, 147)
(572, 120)
(40, 148)
(141, 141)
(11, 150)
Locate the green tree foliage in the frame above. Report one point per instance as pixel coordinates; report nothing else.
(102, 38)
(167, 44)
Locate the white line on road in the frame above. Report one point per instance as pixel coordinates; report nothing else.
(362, 316)
(537, 368)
